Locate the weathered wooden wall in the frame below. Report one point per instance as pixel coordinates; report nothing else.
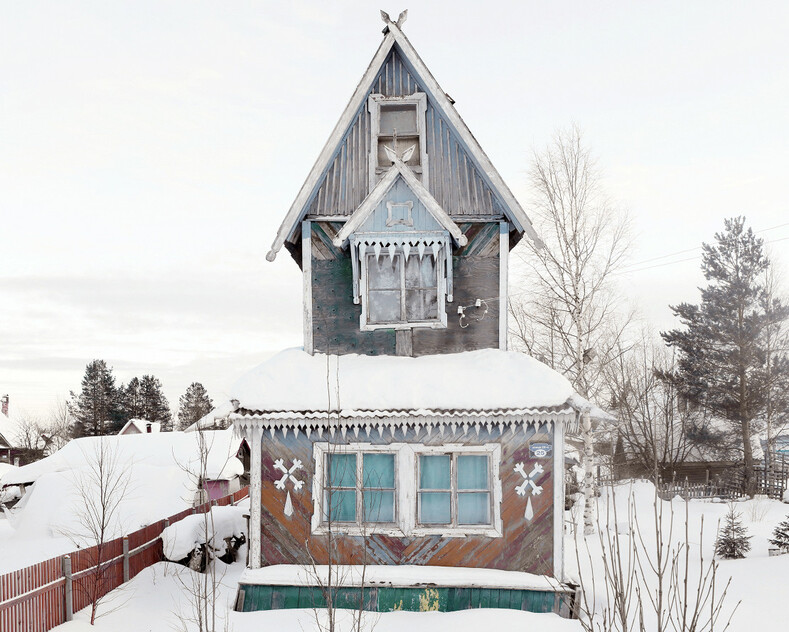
(336, 319)
(525, 545)
(454, 180)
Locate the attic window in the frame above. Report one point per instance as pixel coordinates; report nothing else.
(397, 123)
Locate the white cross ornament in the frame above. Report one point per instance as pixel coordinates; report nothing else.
(288, 474)
(528, 482)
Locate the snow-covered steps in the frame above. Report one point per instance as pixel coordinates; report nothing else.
(384, 588)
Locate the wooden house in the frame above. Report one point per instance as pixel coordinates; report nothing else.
(404, 427)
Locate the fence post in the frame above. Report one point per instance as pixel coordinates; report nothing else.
(68, 591)
(125, 559)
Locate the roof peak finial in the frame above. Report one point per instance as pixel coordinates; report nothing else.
(388, 20)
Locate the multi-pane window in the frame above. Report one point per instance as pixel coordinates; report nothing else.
(359, 487)
(454, 489)
(398, 130)
(401, 291)
(397, 123)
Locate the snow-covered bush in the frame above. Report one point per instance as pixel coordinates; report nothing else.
(732, 542)
(198, 538)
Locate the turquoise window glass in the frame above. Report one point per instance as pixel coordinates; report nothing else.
(342, 505)
(378, 506)
(473, 508)
(472, 472)
(434, 471)
(342, 470)
(378, 471)
(434, 508)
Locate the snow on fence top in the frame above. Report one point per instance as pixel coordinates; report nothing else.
(399, 576)
(166, 449)
(484, 380)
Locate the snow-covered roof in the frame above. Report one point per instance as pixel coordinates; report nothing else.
(596, 413)
(484, 382)
(210, 420)
(140, 426)
(165, 449)
(10, 431)
(399, 576)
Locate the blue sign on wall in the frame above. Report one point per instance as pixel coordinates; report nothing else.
(540, 450)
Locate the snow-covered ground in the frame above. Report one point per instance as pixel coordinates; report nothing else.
(158, 599)
(759, 583)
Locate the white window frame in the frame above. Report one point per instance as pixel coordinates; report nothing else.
(406, 490)
(440, 322)
(374, 102)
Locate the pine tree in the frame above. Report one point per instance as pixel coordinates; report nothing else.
(732, 542)
(193, 405)
(154, 405)
(721, 363)
(132, 400)
(97, 409)
(781, 536)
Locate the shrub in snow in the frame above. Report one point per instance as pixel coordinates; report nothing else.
(199, 538)
(732, 542)
(780, 537)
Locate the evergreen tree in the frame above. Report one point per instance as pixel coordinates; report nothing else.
(781, 536)
(721, 363)
(732, 543)
(193, 405)
(97, 409)
(132, 400)
(154, 405)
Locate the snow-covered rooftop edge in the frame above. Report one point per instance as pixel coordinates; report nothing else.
(487, 382)
(399, 576)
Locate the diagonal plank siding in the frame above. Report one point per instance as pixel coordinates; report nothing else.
(454, 181)
(525, 546)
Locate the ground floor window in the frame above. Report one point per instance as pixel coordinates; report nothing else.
(407, 489)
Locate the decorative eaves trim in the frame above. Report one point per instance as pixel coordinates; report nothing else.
(375, 196)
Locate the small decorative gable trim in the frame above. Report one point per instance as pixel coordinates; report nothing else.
(375, 197)
(394, 37)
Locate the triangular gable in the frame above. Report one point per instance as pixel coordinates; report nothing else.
(411, 73)
(378, 194)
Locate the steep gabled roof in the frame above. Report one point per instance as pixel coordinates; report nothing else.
(398, 169)
(395, 40)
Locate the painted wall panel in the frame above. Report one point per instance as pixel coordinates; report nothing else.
(526, 545)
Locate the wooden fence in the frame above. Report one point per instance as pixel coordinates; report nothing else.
(44, 595)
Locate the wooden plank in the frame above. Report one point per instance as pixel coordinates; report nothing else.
(306, 280)
(504, 253)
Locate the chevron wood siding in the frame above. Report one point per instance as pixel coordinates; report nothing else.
(454, 181)
(525, 545)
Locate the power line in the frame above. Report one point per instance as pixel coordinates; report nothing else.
(682, 252)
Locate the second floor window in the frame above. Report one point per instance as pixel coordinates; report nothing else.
(401, 291)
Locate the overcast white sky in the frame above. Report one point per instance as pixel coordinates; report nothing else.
(149, 150)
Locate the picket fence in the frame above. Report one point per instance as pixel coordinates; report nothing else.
(44, 595)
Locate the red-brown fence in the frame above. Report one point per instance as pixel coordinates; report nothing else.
(34, 599)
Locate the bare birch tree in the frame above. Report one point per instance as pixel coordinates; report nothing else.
(567, 312)
(101, 488)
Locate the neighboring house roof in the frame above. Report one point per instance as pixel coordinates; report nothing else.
(210, 420)
(165, 449)
(487, 386)
(396, 41)
(140, 426)
(10, 432)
